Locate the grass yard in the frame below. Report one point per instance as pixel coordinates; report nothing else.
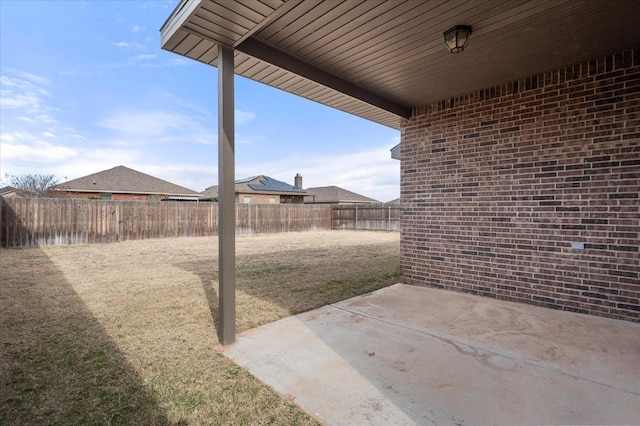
(125, 333)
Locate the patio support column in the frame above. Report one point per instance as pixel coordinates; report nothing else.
(226, 199)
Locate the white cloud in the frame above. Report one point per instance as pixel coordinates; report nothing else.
(157, 126)
(45, 118)
(128, 44)
(20, 93)
(75, 71)
(32, 140)
(34, 78)
(137, 28)
(176, 62)
(24, 153)
(25, 119)
(244, 117)
(91, 160)
(24, 147)
(12, 100)
(143, 57)
(140, 61)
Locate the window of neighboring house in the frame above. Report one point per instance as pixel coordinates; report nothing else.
(272, 200)
(247, 200)
(105, 196)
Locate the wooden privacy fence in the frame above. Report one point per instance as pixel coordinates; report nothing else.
(30, 222)
(371, 217)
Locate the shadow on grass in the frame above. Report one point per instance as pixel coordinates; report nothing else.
(209, 280)
(289, 281)
(57, 363)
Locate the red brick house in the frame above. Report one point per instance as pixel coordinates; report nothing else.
(261, 190)
(123, 183)
(520, 147)
(528, 190)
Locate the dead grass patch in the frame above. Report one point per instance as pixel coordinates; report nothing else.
(125, 333)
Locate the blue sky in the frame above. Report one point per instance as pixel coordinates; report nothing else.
(84, 87)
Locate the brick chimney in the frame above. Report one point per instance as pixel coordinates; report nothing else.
(297, 181)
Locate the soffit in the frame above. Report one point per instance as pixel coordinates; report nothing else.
(378, 59)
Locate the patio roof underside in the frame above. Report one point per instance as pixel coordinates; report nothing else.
(379, 59)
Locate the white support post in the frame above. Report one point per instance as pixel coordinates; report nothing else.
(226, 200)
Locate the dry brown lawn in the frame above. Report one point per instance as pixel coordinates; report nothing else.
(125, 333)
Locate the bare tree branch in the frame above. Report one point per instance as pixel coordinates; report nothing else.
(34, 185)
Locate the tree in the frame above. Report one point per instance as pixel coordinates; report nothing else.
(35, 185)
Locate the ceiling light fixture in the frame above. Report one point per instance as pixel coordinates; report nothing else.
(457, 38)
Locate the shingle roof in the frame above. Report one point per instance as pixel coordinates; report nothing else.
(335, 194)
(122, 179)
(265, 183)
(257, 184)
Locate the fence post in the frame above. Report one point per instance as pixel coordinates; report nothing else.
(356, 225)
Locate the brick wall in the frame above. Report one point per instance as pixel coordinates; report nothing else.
(96, 196)
(501, 188)
(257, 198)
(133, 197)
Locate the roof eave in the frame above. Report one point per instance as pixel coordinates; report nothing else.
(116, 191)
(255, 191)
(345, 95)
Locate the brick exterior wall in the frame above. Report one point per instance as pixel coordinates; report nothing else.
(96, 196)
(501, 188)
(257, 198)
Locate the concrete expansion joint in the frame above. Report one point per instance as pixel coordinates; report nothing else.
(475, 350)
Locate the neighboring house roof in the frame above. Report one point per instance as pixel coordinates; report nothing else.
(258, 184)
(8, 191)
(396, 201)
(335, 194)
(124, 180)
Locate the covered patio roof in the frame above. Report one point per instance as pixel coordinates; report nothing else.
(379, 59)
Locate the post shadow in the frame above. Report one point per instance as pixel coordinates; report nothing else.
(57, 363)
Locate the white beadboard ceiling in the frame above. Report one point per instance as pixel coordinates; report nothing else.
(377, 59)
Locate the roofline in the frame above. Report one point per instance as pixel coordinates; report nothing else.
(125, 192)
(254, 191)
(347, 202)
(174, 13)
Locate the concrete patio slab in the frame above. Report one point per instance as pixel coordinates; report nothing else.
(415, 355)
